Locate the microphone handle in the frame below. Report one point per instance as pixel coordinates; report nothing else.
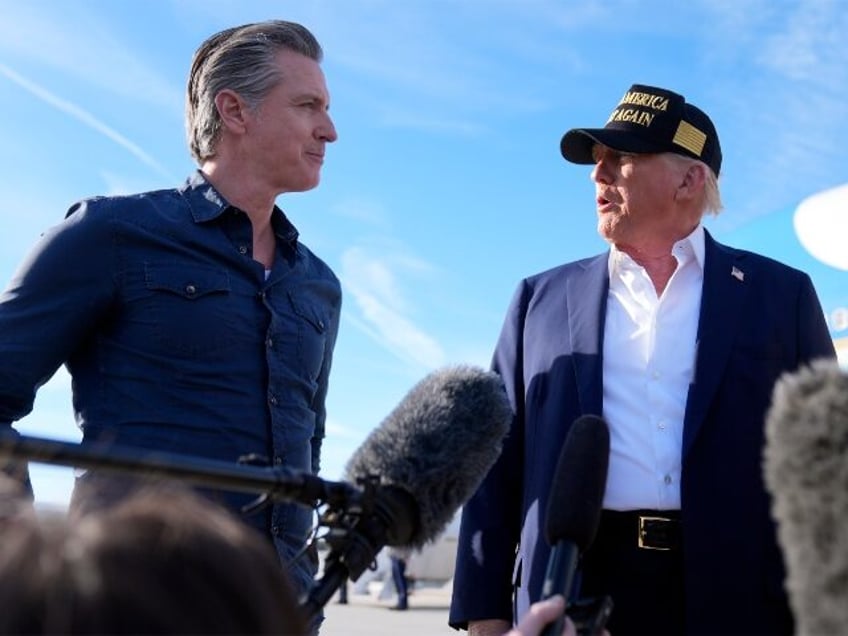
(335, 575)
(559, 577)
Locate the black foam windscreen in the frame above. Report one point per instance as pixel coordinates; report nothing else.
(805, 466)
(438, 444)
(577, 490)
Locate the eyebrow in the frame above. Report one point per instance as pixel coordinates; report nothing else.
(312, 97)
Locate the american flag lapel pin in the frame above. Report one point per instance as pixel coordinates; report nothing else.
(737, 273)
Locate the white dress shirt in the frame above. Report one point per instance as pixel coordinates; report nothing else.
(649, 363)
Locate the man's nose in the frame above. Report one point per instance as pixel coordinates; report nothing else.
(327, 130)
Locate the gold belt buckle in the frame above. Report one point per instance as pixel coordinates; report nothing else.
(643, 533)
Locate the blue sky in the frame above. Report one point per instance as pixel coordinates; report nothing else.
(446, 186)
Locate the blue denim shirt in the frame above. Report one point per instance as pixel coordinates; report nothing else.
(175, 339)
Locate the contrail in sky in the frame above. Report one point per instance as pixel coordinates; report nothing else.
(86, 118)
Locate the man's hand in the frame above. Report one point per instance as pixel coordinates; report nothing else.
(540, 614)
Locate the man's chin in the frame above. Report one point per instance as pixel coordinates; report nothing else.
(304, 186)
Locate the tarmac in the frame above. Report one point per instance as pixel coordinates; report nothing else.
(366, 614)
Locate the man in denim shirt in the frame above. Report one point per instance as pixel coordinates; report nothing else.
(192, 320)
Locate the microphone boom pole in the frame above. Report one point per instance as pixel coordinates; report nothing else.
(361, 520)
(277, 483)
(412, 472)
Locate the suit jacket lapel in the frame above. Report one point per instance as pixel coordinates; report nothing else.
(723, 294)
(586, 296)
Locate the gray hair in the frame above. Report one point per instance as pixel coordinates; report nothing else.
(712, 196)
(240, 59)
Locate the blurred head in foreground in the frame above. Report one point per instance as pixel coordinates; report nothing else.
(162, 562)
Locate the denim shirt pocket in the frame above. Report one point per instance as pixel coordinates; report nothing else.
(312, 334)
(192, 307)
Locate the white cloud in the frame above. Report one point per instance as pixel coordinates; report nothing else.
(807, 46)
(81, 45)
(781, 79)
(383, 312)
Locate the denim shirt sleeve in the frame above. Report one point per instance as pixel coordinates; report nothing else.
(52, 303)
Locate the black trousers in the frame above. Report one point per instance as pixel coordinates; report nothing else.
(646, 585)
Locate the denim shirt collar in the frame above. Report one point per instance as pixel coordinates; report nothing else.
(207, 204)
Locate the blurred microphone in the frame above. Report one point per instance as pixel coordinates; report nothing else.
(425, 460)
(574, 506)
(806, 472)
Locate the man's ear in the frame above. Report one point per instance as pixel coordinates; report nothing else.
(232, 110)
(693, 182)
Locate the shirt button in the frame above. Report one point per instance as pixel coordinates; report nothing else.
(278, 460)
(191, 290)
(269, 343)
(242, 249)
(273, 400)
(667, 480)
(661, 426)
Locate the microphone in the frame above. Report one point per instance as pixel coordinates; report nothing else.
(436, 446)
(805, 467)
(412, 472)
(574, 506)
(424, 461)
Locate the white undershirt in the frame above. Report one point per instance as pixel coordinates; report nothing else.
(649, 360)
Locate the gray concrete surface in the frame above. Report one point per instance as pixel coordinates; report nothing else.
(365, 615)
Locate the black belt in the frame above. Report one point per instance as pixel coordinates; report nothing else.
(648, 529)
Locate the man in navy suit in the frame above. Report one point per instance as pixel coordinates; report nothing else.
(677, 341)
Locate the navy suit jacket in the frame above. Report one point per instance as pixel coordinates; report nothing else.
(758, 319)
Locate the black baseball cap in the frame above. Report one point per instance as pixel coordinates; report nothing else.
(648, 120)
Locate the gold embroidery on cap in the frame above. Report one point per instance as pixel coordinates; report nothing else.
(632, 107)
(632, 115)
(690, 138)
(646, 100)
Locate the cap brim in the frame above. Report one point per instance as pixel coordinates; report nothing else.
(576, 145)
